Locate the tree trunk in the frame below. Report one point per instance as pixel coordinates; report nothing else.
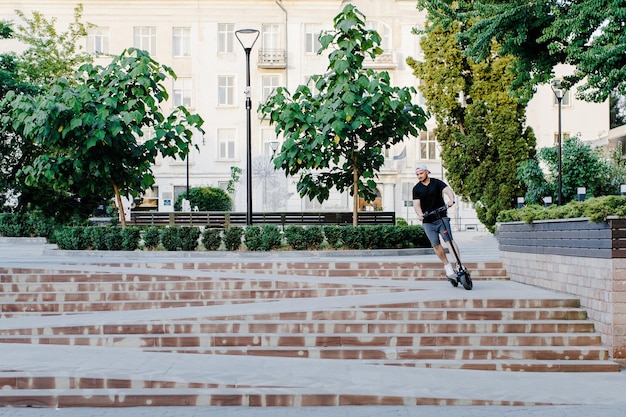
(355, 206)
(120, 206)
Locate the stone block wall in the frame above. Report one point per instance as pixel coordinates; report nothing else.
(599, 281)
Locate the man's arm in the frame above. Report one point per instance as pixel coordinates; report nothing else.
(447, 192)
(418, 209)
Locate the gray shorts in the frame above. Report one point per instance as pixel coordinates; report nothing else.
(433, 230)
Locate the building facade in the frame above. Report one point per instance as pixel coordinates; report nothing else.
(197, 38)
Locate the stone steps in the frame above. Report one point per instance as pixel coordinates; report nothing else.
(373, 313)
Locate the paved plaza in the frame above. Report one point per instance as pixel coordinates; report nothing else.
(572, 394)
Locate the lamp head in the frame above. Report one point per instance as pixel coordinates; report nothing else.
(247, 37)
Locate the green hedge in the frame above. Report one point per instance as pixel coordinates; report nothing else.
(597, 209)
(255, 238)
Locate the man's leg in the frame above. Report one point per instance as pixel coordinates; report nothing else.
(432, 232)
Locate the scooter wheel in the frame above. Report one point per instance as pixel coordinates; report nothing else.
(465, 279)
(454, 282)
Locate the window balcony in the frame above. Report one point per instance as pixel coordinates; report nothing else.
(386, 60)
(272, 58)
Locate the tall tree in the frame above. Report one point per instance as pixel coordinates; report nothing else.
(92, 130)
(50, 53)
(589, 35)
(481, 128)
(335, 137)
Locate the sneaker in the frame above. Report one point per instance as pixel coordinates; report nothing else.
(449, 271)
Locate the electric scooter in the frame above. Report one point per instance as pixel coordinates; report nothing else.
(462, 274)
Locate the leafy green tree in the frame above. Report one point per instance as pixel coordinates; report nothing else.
(481, 128)
(335, 138)
(92, 129)
(206, 199)
(586, 34)
(581, 166)
(49, 54)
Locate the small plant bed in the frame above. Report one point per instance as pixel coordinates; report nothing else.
(597, 209)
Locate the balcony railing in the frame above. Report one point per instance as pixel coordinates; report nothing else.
(384, 60)
(272, 58)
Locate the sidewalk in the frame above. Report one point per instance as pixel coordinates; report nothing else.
(573, 394)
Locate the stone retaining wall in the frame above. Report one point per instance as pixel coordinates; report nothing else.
(597, 279)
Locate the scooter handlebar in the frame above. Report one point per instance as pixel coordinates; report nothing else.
(435, 211)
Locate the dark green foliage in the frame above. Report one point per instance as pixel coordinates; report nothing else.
(12, 225)
(334, 235)
(582, 166)
(588, 35)
(130, 238)
(73, 238)
(211, 239)
(295, 237)
(272, 237)
(189, 236)
(113, 238)
(252, 238)
(97, 237)
(206, 199)
(314, 236)
(170, 239)
(26, 224)
(152, 237)
(482, 138)
(232, 238)
(355, 237)
(597, 209)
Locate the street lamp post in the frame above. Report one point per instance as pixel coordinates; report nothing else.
(558, 93)
(247, 38)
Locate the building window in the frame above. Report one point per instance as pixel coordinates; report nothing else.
(566, 99)
(226, 143)
(225, 90)
(225, 37)
(270, 141)
(564, 137)
(383, 30)
(182, 92)
(269, 84)
(311, 38)
(271, 36)
(98, 41)
(145, 38)
(181, 41)
(427, 145)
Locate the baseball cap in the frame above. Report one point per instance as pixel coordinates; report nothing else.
(421, 167)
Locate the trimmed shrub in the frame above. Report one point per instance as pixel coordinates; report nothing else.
(313, 236)
(152, 237)
(295, 237)
(188, 237)
(170, 239)
(211, 239)
(12, 225)
(232, 238)
(72, 238)
(130, 238)
(334, 235)
(207, 199)
(272, 237)
(97, 237)
(253, 238)
(113, 238)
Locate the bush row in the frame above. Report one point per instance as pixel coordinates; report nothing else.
(254, 238)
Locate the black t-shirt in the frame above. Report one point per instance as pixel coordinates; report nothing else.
(430, 197)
